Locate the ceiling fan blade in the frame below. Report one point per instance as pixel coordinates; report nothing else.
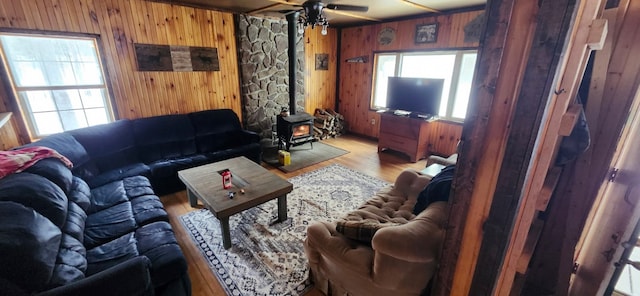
(348, 7)
(419, 6)
(286, 2)
(340, 12)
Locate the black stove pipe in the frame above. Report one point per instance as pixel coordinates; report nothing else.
(292, 19)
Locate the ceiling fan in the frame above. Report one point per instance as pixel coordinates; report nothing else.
(313, 13)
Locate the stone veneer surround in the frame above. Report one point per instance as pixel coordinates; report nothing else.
(264, 70)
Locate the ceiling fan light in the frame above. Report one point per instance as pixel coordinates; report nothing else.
(312, 15)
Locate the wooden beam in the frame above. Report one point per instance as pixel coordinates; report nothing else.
(419, 6)
(597, 34)
(508, 37)
(353, 15)
(550, 183)
(530, 245)
(8, 135)
(496, 266)
(268, 7)
(459, 249)
(569, 120)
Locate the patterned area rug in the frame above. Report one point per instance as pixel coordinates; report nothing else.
(268, 258)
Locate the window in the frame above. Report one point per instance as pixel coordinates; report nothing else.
(455, 67)
(58, 81)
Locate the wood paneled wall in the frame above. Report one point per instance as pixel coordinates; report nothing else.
(444, 137)
(320, 85)
(8, 136)
(356, 78)
(120, 23)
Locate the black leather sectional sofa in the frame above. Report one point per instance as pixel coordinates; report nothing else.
(99, 228)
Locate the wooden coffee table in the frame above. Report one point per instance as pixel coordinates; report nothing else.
(204, 183)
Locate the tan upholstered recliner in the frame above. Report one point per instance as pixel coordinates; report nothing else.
(403, 251)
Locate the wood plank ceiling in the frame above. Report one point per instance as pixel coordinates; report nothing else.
(379, 10)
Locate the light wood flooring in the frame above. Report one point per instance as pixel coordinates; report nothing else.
(363, 157)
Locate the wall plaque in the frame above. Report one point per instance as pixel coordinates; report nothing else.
(151, 57)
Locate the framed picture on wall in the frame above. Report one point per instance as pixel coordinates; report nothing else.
(322, 61)
(427, 33)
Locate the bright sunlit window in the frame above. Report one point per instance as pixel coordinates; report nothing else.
(58, 81)
(456, 67)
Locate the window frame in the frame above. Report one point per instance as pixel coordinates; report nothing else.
(24, 117)
(455, 78)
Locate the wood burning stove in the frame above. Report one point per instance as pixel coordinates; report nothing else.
(294, 130)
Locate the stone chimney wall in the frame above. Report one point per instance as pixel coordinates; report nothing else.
(264, 70)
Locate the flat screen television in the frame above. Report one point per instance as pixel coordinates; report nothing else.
(418, 96)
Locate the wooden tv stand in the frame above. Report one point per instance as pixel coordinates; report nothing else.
(404, 134)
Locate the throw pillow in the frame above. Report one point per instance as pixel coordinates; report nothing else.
(362, 230)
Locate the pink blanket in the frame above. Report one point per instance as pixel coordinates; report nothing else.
(15, 161)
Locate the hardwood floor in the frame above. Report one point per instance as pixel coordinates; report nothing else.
(363, 157)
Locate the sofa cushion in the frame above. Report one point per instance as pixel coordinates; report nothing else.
(136, 186)
(164, 137)
(148, 209)
(80, 194)
(110, 146)
(156, 241)
(38, 193)
(130, 170)
(107, 196)
(215, 129)
(164, 173)
(252, 151)
(111, 253)
(68, 146)
(108, 224)
(120, 207)
(170, 167)
(214, 121)
(71, 262)
(386, 208)
(29, 243)
(54, 170)
(76, 218)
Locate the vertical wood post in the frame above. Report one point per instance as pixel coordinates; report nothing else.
(292, 30)
(455, 258)
(540, 81)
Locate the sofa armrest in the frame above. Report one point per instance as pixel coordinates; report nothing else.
(451, 160)
(128, 278)
(323, 240)
(247, 137)
(409, 184)
(419, 240)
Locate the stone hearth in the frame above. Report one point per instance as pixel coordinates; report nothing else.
(264, 66)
